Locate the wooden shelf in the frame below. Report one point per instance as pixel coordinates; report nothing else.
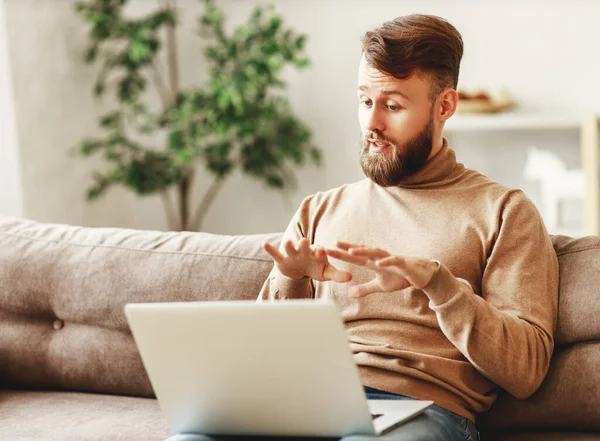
(518, 120)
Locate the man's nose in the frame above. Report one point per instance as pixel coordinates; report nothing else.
(375, 121)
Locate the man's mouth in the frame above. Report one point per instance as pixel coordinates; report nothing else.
(378, 146)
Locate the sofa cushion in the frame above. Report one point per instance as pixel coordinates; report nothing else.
(569, 396)
(71, 416)
(579, 300)
(568, 399)
(63, 290)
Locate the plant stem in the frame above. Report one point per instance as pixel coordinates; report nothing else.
(205, 203)
(172, 55)
(173, 68)
(172, 222)
(165, 96)
(184, 199)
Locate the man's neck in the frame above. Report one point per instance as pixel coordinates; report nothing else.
(438, 142)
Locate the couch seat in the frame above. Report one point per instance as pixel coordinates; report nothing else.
(71, 416)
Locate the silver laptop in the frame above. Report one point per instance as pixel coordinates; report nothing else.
(280, 368)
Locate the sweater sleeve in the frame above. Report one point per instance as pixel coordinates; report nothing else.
(279, 287)
(507, 333)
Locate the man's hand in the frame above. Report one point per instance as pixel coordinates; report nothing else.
(305, 261)
(393, 273)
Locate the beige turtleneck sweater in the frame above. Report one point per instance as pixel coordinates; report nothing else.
(485, 320)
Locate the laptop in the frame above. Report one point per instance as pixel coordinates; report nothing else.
(280, 368)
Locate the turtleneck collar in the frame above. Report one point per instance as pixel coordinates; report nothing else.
(437, 171)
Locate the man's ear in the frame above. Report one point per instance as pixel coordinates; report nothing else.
(447, 102)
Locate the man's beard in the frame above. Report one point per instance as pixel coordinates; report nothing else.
(389, 168)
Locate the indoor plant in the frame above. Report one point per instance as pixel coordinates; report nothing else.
(238, 119)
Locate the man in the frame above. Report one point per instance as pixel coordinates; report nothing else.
(447, 282)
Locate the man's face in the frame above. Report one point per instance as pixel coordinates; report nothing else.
(396, 120)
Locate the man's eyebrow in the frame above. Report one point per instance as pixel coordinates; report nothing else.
(387, 92)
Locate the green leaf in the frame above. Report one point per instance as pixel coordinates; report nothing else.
(81, 7)
(300, 42)
(151, 173)
(316, 155)
(91, 54)
(220, 167)
(117, 139)
(113, 155)
(275, 62)
(241, 32)
(302, 63)
(164, 17)
(232, 50)
(88, 147)
(111, 120)
(274, 181)
(100, 186)
(185, 157)
(256, 15)
(275, 23)
(139, 51)
(176, 140)
(224, 100)
(99, 89)
(130, 87)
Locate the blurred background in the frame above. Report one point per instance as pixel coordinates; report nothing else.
(541, 54)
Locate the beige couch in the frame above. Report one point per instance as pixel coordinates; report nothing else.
(69, 369)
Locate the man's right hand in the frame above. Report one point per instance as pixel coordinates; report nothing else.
(305, 261)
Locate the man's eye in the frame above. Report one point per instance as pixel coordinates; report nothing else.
(367, 103)
(393, 108)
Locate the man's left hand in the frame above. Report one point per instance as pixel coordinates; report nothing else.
(392, 273)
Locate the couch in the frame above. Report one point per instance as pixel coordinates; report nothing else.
(69, 368)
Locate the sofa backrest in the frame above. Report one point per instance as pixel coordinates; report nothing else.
(63, 290)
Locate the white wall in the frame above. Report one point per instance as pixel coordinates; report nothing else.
(543, 51)
(10, 169)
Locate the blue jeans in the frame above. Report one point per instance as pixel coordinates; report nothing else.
(435, 424)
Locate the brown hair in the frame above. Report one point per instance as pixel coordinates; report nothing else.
(418, 43)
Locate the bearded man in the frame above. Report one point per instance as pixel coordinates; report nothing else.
(447, 282)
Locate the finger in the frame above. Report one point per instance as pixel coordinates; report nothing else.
(289, 248)
(332, 273)
(318, 253)
(346, 257)
(373, 253)
(365, 289)
(346, 246)
(303, 246)
(395, 264)
(391, 261)
(273, 251)
(412, 271)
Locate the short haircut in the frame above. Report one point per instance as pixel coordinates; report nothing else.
(419, 44)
